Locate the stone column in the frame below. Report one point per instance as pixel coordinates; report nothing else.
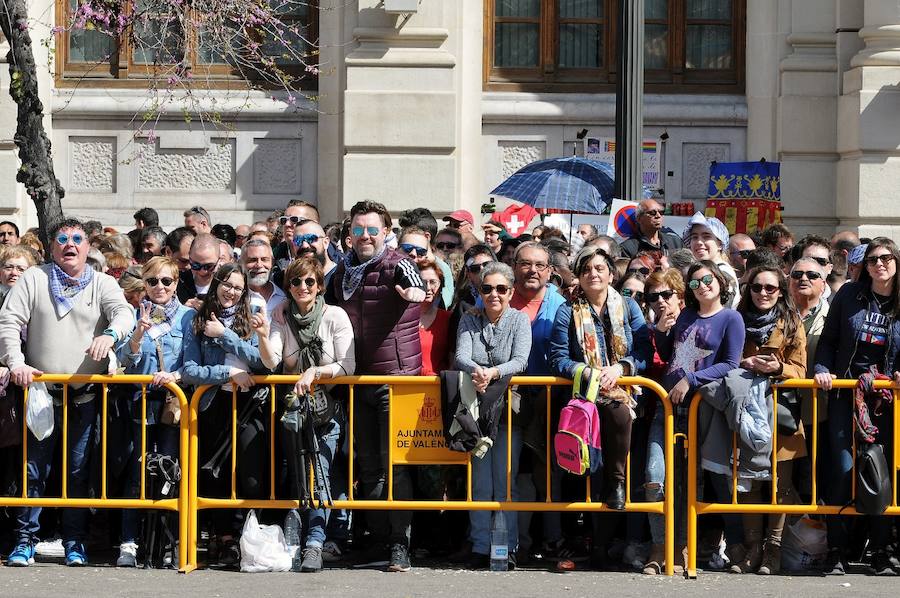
(868, 176)
(629, 99)
(806, 134)
(410, 135)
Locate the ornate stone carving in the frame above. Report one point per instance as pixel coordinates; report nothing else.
(92, 165)
(276, 166)
(211, 169)
(516, 154)
(695, 159)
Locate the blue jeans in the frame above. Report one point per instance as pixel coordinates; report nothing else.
(489, 483)
(317, 519)
(161, 439)
(655, 476)
(82, 422)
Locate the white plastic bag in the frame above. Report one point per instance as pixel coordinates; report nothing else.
(39, 415)
(804, 546)
(263, 547)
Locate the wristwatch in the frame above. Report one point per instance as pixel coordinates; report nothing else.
(111, 333)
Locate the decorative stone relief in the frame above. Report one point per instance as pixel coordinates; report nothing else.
(92, 164)
(516, 154)
(210, 169)
(695, 159)
(276, 166)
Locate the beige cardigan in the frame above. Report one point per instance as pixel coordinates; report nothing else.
(336, 333)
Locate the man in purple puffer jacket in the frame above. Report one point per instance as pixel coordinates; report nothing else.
(380, 289)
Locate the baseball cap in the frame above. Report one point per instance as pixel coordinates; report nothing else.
(714, 225)
(460, 216)
(855, 257)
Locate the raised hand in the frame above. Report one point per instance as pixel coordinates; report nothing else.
(411, 295)
(213, 328)
(260, 322)
(143, 323)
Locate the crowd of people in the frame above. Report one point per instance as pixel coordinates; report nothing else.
(696, 310)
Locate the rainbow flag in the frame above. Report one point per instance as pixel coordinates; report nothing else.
(648, 147)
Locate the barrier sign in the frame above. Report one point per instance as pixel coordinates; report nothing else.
(417, 428)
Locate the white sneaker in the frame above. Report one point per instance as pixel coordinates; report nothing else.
(127, 555)
(50, 548)
(331, 552)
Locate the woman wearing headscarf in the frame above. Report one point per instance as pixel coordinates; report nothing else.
(707, 239)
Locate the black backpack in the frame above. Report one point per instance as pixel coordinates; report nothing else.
(873, 480)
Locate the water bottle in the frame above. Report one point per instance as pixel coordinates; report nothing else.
(292, 525)
(499, 543)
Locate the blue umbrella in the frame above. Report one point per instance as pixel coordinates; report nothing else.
(570, 184)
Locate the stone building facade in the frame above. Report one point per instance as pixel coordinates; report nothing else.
(407, 112)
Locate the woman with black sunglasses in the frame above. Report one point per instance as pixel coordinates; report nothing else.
(315, 341)
(468, 280)
(155, 347)
(222, 350)
(494, 341)
(664, 294)
(606, 332)
(862, 331)
(775, 347)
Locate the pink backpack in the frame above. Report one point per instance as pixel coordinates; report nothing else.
(577, 441)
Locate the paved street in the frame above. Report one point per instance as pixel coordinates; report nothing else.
(52, 580)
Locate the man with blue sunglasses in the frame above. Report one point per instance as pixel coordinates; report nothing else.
(380, 289)
(71, 330)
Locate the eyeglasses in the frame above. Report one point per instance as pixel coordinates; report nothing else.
(196, 266)
(11, 267)
(295, 220)
(410, 248)
(654, 297)
(153, 281)
(744, 253)
(309, 281)
(63, 239)
(810, 274)
(643, 270)
(308, 238)
(231, 288)
(822, 261)
(526, 265)
(636, 295)
(758, 288)
(706, 279)
(446, 246)
(475, 268)
(487, 289)
(359, 230)
(654, 213)
(884, 258)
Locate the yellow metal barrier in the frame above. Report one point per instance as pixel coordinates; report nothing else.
(178, 504)
(696, 508)
(412, 394)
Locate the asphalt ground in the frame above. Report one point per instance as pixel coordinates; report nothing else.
(50, 579)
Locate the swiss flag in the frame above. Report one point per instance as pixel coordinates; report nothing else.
(515, 218)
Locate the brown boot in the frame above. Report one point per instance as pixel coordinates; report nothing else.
(655, 565)
(771, 562)
(751, 561)
(735, 553)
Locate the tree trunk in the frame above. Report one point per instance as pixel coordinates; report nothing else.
(36, 171)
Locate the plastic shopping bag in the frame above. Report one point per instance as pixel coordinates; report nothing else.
(804, 546)
(263, 547)
(39, 415)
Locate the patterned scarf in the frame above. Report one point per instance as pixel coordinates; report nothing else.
(865, 394)
(596, 354)
(227, 315)
(353, 275)
(760, 325)
(161, 316)
(65, 289)
(306, 330)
